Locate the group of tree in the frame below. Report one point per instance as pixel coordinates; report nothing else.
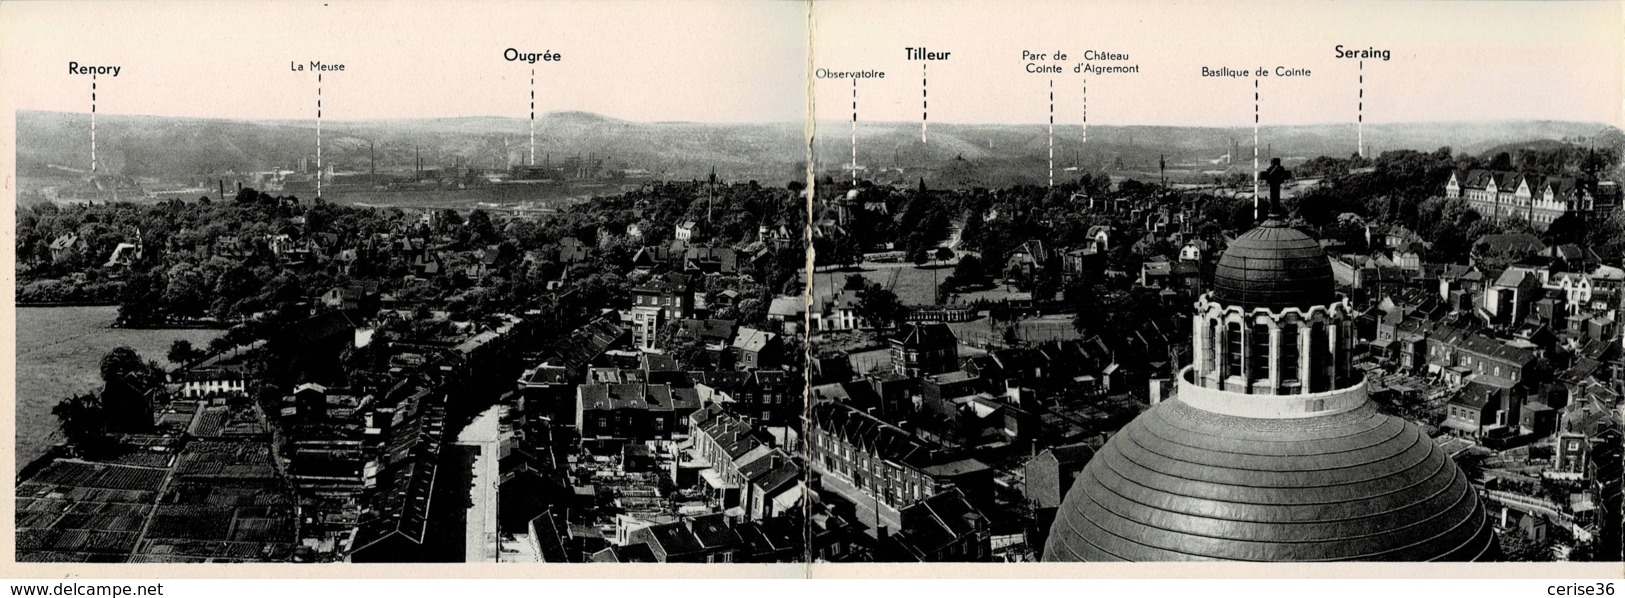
(91, 422)
(877, 306)
(214, 261)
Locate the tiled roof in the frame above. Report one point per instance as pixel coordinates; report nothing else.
(872, 435)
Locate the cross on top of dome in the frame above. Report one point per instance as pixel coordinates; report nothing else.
(1275, 175)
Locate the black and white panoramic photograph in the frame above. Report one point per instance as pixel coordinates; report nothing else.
(816, 284)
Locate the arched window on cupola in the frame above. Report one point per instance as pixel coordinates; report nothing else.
(1210, 347)
(1320, 359)
(1259, 368)
(1232, 352)
(1289, 352)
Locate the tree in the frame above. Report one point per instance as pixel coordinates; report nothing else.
(968, 271)
(480, 227)
(127, 382)
(449, 217)
(836, 250)
(855, 282)
(880, 307)
(182, 352)
(184, 295)
(1517, 546)
(920, 257)
(1566, 229)
(221, 344)
(1501, 161)
(123, 364)
(83, 423)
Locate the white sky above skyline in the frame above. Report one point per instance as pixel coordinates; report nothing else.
(1450, 61)
(714, 61)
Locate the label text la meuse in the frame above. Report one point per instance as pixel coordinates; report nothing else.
(316, 65)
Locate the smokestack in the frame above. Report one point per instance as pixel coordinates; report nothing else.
(222, 189)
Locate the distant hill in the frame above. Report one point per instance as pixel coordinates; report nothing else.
(989, 149)
(183, 148)
(192, 148)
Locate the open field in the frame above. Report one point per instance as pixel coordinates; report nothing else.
(913, 285)
(981, 333)
(59, 351)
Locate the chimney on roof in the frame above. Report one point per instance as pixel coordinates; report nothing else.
(974, 519)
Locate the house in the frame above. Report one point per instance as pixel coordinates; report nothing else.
(1537, 198)
(710, 260)
(124, 254)
(1193, 250)
(777, 540)
(1050, 474)
(280, 243)
(212, 382)
(938, 391)
(767, 393)
(1457, 353)
(943, 527)
(572, 250)
(687, 231)
(1101, 238)
(546, 391)
(1506, 247)
(1081, 261)
(1163, 274)
(310, 400)
(729, 444)
(231, 246)
(703, 539)
(1026, 259)
(1457, 281)
(65, 247)
(871, 462)
(647, 320)
(756, 349)
(629, 553)
(361, 296)
(426, 264)
(672, 293)
(625, 411)
(671, 543)
(1509, 298)
(839, 312)
(790, 312)
(715, 334)
(1484, 410)
(923, 348)
(773, 487)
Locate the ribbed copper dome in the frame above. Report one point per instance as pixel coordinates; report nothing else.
(1179, 483)
(1274, 266)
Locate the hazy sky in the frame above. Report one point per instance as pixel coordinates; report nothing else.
(1454, 60)
(746, 61)
(695, 61)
